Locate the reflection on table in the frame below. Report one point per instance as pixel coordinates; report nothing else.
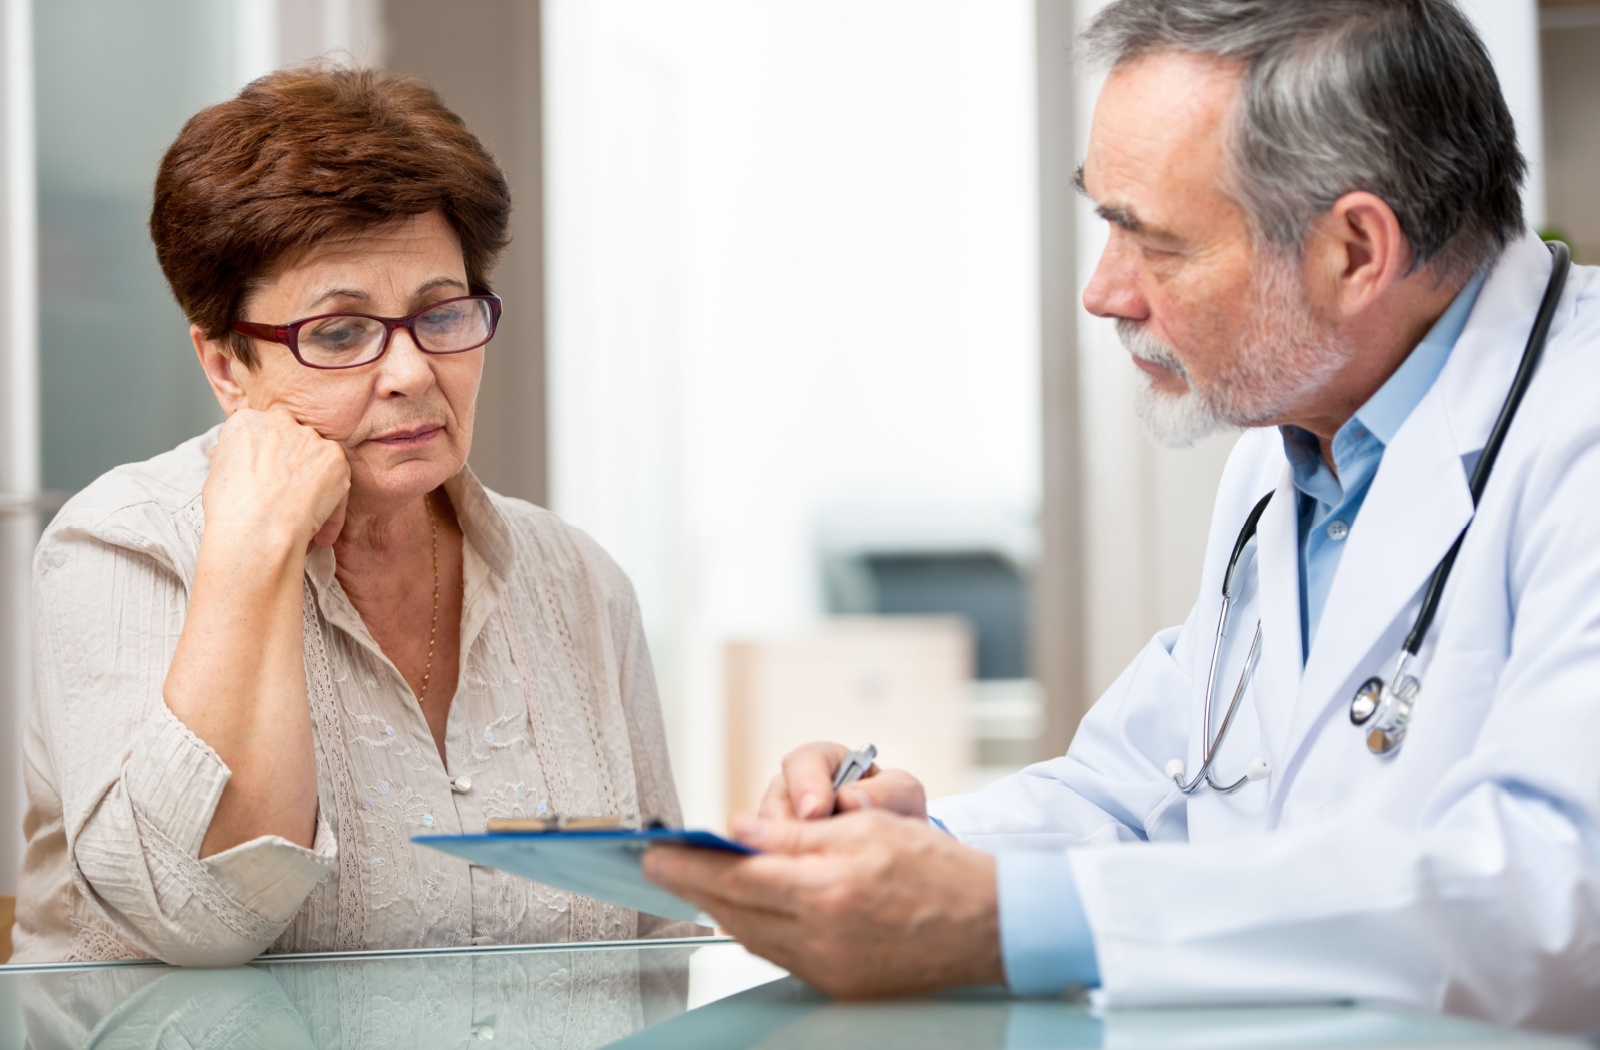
(567, 997)
(634, 995)
(786, 1015)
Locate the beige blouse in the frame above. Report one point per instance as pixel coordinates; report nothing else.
(555, 711)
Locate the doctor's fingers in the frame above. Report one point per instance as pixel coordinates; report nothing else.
(892, 789)
(787, 940)
(775, 804)
(823, 957)
(808, 779)
(773, 883)
(840, 953)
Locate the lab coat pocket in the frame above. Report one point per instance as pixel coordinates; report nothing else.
(1143, 720)
(1458, 690)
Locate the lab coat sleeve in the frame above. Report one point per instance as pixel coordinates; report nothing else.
(1109, 786)
(1485, 898)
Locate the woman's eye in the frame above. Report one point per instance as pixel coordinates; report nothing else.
(343, 334)
(443, 317)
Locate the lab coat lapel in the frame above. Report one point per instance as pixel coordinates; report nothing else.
(1417, 506)
(1420, 499)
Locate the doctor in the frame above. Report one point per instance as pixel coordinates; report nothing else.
(1315, 235)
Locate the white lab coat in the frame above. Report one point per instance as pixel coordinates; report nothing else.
(1463, 873)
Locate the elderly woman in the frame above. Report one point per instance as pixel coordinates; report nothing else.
(269, 657)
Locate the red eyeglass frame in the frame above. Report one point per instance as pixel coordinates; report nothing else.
(289, 334)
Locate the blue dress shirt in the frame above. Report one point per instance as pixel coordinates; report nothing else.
(1045, 941)
(1329, 502)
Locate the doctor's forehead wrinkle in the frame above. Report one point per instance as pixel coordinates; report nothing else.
(1123, 216)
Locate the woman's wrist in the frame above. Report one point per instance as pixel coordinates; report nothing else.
(265, 553)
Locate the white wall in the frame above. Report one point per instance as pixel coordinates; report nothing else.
(1510, 30)
(275, 33)
(19, 431)
(792, 261)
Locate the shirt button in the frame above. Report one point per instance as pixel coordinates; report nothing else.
(461, 785)
(1337, 530)
(484, 1032)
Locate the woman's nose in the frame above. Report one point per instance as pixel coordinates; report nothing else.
(404, 370)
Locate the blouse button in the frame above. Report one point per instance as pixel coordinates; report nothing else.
(484, 1032)
(427, 820)
(461, 785)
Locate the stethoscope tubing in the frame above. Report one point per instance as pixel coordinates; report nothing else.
(1561, 265)
(1229, 579)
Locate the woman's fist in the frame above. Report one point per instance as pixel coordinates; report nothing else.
(274, 480)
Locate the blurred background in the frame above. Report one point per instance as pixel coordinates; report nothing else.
(792, 329)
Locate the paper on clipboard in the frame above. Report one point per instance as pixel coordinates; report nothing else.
(600, 864)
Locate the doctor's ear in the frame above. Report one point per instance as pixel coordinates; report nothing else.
(1356, 252)
(221, 369)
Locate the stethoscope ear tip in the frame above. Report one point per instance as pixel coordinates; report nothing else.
(1174, 770)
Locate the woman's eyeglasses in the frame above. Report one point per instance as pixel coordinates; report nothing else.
(453, 326)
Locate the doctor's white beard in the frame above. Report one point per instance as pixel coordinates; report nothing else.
(1287, 355)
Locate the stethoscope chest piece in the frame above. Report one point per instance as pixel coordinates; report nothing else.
(1385, 711)
(1365, 705)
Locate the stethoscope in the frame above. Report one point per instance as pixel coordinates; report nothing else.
(1382, 707)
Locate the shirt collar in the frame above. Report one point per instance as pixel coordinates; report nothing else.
(485, 526)
(1387, 409)
(1395, 400)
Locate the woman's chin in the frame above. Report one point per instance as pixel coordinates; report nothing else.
(395, 482)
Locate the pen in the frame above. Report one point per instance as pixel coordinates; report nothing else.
(854, 766)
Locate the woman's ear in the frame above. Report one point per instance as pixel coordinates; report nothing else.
(221, 370)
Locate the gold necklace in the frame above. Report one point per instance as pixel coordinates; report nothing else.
(433, 626)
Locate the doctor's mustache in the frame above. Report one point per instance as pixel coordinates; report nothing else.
(1138, 341)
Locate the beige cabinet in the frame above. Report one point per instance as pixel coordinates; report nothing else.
(901, 683)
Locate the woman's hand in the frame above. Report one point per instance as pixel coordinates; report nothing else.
(804, 790)
(273, 478)
(237, 678)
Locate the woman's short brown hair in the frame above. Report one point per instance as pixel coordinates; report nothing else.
(303, 155)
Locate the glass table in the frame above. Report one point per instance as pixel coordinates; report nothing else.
(703, 993)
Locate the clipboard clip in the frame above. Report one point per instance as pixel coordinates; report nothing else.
(537, 825)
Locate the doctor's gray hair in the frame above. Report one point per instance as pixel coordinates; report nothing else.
(1394, 97)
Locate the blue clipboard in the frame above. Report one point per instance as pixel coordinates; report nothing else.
(603, 864)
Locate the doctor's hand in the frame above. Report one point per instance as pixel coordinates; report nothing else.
(865, 905)
(804, 790)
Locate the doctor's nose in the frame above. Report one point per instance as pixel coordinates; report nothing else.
(1113, 288)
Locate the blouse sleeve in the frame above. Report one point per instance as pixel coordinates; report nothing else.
(137, 788)
(658, 796)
